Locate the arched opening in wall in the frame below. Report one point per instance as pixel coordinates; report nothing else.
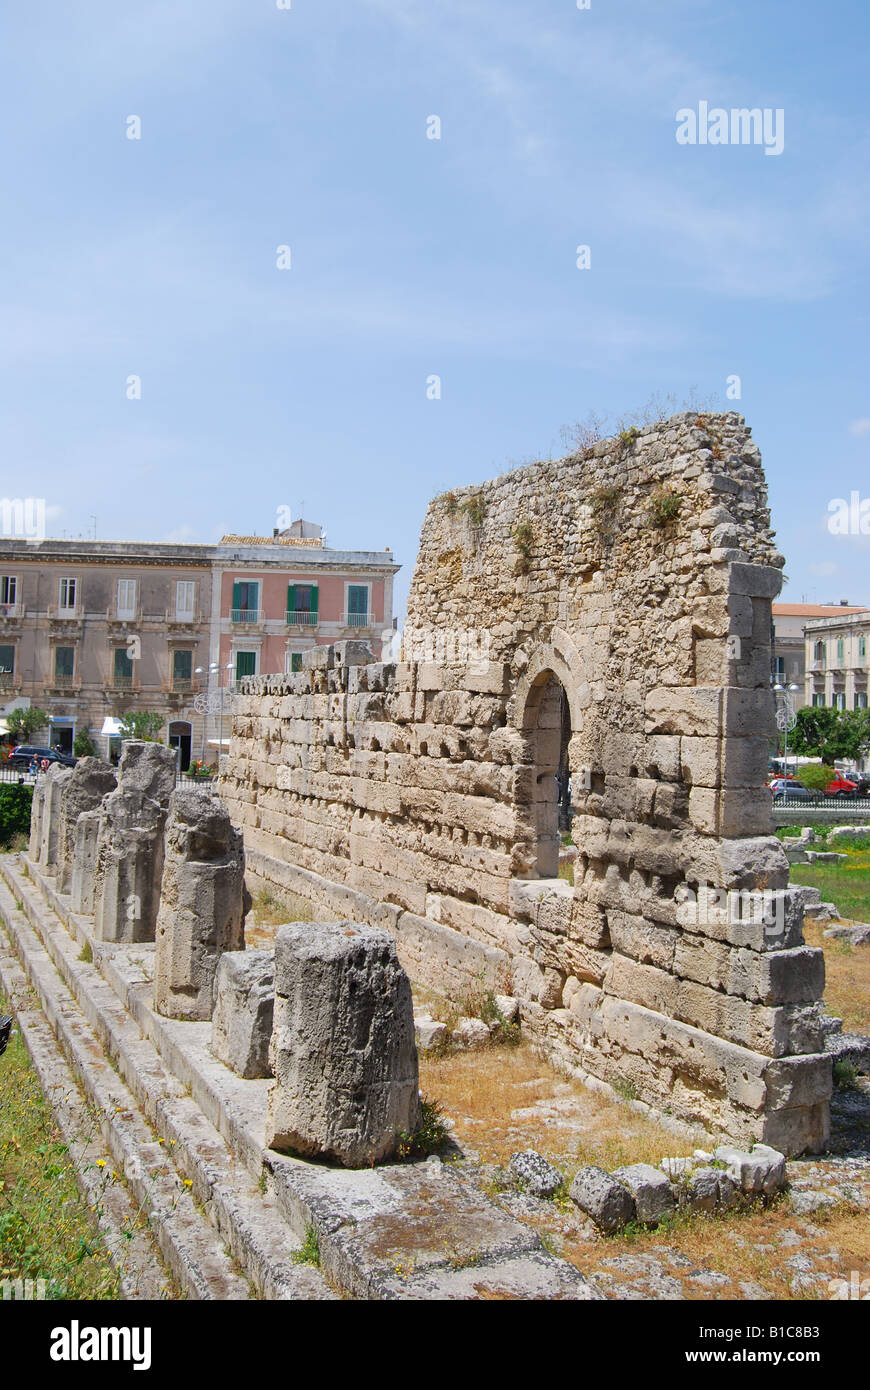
(179, 737)
(547, 725)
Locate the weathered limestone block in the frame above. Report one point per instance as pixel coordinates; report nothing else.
(650, 1189)
(126, 889)
(244, 1008)
(37, 811)
(91, 780)
(86, 839)
(601, 1197)
(343, 1052)
(55, 781)
(149, 768)
(203, 902)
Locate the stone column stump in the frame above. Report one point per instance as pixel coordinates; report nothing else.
(91, 780)
(203, 903)
(343, 1050)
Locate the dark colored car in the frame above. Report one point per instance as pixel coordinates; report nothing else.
(23, 756)
(795, 793)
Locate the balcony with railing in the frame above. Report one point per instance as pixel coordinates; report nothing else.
(246, 617)
(57, 614)
(358, 620)
(298, 617)
(11, 612)
(173, 618)
(63, 682)
(9, 682)
(181, 685)
(122, 683)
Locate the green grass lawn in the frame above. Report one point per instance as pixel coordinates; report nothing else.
(46, 1230)
(846, 884)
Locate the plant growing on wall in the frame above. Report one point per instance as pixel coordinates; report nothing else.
(523, 537)
(474, 508)
(628, 436)
(664, 507)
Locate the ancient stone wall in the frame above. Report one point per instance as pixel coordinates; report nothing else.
(638, 580)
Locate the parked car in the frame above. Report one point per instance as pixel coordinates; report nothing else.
(779, 782)
(22, 756)
(794, 794)
(841, 786)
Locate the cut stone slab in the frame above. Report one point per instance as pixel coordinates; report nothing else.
(850, 1047)
(429, 1033)
(603, 1199)
(244, 1009)
(651, 1190)
(856, 933)
(343, 1051)
(203, 902)
(538, 1176)
(471, 1033)
(762, 1171)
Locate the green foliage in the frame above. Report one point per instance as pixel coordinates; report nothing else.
(625, 1088)
(603, 498)
(309, 1251)
(429, 1138)
(451, 503)
(474, 508)
(24, 723)
(83, 745)
(141, 724)
(845, 1075)
(86, 955)
(628, 437)
(830, 733)
(15, 802)
(664, 507)
(523, 537)
(816, 776)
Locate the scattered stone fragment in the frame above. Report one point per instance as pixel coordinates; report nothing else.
(538, 1176)
(601, 1197)
(508, 1007)
(650, 1189)
(471, 1032)
(428, 1032)
(805, 1203)
(761, 1171)
(856, 934)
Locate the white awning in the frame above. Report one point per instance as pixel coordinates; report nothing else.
(218, 742)
(111, 726)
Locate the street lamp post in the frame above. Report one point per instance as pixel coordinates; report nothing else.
(785, 720)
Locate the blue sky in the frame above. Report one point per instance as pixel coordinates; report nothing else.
(306, 127)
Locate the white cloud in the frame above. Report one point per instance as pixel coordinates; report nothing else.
(861, 426)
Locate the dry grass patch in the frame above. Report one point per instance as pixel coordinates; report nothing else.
(504, 1099)
(271, 910)
(847, 978)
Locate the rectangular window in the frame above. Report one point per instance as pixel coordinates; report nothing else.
(779, 668)
(862, 650)
(67, 591)
(295, 661)
(182, 667)
(302, 603)
(126, 598)
(246, 597)
(839, 701)
(246, 664)
(123, 671)
(7, 661)
(357, 605)
(818, 701)
(185, 598)
(8, 590)
(64, 662)
(841, 651)
(861, 700)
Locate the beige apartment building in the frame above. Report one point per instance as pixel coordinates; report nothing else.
(791, 665)
(92, 629)
(836, 651)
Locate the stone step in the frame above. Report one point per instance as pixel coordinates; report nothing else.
(248, 1221)
(190, 1247)
(400, 1231)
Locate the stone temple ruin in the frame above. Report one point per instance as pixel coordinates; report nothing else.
(609, 613)
(605, 617)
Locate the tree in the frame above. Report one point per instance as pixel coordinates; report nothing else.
(141, 723)
(824, 733)
(815, 776)
(24, 723)
(83, 745)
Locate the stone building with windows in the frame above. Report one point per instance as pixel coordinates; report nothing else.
(92, 629)
(791, 665)
(836, 660)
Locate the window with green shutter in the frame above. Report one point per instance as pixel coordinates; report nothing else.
(64, 661)
(302, 600)
(123, 666)
(7, 660)
(295, 661)
(246, 601)
(182, 665)
(246, 664)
